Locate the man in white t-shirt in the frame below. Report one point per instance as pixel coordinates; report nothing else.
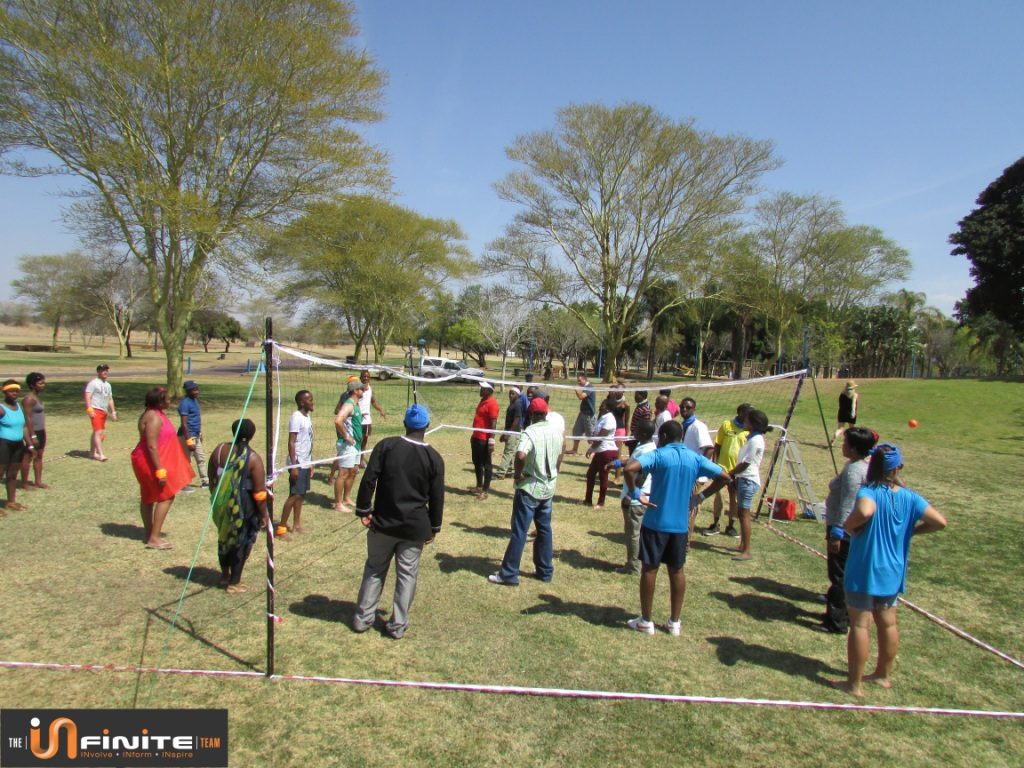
(99, 401)
(696, 437)
(300, 458)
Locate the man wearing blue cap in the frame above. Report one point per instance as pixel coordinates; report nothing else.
(407, 476)
(191, 429)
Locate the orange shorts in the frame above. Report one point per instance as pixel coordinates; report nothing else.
(99, 420)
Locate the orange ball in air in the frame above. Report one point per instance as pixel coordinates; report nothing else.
(912, 423)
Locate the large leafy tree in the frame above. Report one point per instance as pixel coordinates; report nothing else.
(50, 282)
(614, 202)
(368, 263)
(992, 239)
(191, 124)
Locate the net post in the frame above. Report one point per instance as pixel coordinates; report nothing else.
(824, 425)
(778, 444)
(268, 358)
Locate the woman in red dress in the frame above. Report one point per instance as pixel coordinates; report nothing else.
(160, 465)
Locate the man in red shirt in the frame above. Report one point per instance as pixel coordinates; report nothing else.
(481, 443)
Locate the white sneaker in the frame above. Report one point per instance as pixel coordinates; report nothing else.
(674, 627)
(640, 624)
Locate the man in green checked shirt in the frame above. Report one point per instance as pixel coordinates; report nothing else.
(538, 460)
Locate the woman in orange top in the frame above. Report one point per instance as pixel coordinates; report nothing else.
(160, 465)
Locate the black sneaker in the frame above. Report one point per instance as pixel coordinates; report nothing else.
(712, 530)
(731, 531)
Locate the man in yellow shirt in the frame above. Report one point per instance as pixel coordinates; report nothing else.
(728, 441)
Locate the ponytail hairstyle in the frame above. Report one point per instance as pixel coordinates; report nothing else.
(886, 462)
(244, 429)
(758, 420)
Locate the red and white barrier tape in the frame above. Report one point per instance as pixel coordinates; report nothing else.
(918, 609)
(519, 690)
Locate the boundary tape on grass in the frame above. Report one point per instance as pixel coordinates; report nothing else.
(916, 608)
(517, 690)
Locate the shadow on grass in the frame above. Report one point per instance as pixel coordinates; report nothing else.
(324, 608)
(615, 538)
(185, 626)
(599, 615)
(576, 559)
(773, 587)
(765, 608)
(732, 651)
(201, 574)
(484, 530)
(481, 566)
(78, 455)
(124, 531)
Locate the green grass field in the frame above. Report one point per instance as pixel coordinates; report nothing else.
(80, 588)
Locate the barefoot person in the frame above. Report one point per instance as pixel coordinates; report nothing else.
(300, 460)
(348, 423)
(748, 476)
(36, 414)
(99, 401)
(14, 440)
(238, 485)
(160, 466)
(887, 515)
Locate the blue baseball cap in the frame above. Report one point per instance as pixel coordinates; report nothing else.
(417, 417)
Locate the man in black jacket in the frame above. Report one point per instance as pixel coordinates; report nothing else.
(408, 477)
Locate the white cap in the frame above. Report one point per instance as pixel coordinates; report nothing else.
(515, 391)
(486, 385)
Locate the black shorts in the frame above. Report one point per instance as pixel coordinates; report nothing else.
(657, 547)
(300, 484)
(11, 452)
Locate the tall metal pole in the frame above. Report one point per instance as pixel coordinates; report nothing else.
(268, 362)
(778, 445)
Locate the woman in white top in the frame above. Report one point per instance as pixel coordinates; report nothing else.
(604, 451)
(747, 474)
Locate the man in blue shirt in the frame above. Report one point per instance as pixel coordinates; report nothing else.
(674, 470)
(191, 429)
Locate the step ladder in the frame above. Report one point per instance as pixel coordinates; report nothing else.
(793, 469)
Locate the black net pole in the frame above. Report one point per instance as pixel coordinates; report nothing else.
(268, 362)
(778, 445)
(824, 425)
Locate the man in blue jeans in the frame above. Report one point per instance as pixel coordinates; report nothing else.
(538, 460)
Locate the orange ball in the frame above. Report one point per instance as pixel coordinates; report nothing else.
(912, 423)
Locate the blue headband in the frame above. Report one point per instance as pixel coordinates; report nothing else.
(891, 459)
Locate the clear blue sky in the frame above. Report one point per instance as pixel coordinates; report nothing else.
(904, 111)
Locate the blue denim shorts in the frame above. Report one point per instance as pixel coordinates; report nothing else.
(864, 602)
(746, 489)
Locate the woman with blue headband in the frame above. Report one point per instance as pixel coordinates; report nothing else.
(887, 515)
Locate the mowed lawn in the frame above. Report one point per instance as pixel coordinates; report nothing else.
(79, 588)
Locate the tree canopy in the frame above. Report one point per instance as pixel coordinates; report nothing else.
(992, 239)
(616, 201)
(193, 125)
(369, 263)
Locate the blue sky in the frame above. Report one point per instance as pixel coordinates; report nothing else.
(903, 111)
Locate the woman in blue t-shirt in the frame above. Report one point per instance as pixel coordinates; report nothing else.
(885, 518)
